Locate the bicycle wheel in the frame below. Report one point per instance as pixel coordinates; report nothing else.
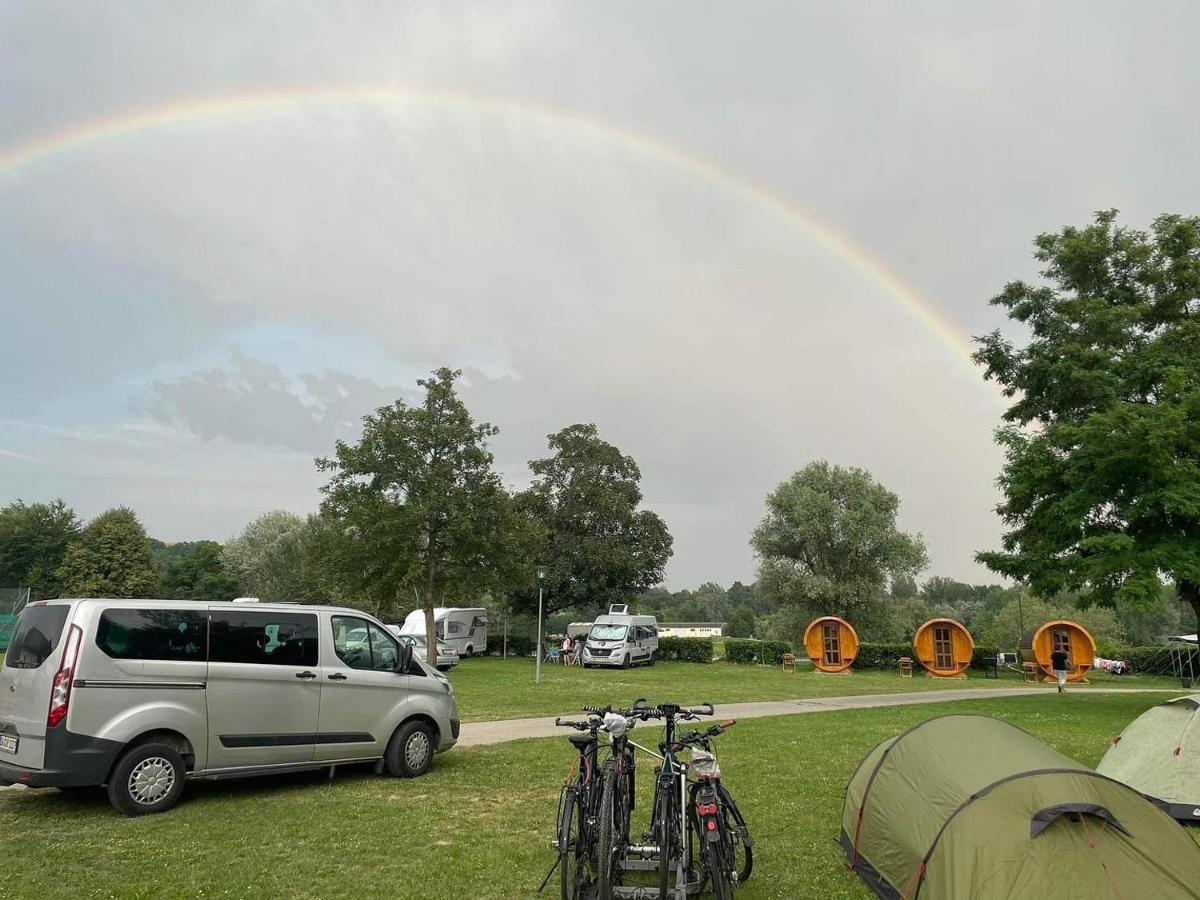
(718, 868)
(664, 837)
(572, 856)
(606, 836)
(739, 835)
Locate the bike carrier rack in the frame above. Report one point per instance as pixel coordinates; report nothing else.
(649, 863)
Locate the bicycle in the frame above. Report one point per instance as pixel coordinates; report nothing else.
(594, 809)
(683, 812)
(727, 849)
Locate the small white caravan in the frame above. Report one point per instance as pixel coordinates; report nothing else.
(466, 630)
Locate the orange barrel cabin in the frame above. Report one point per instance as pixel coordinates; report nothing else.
(1038, 643)
(832, 644)
(944, 648)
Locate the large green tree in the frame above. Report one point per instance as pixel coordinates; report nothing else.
(267, 559)
(595, 545)
(111, 559)
(198, 573)
(829, 541)
(1101, 479)
(415, 508)
(33, 543)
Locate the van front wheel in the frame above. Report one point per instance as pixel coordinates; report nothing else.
(147, 779)
(410, 751)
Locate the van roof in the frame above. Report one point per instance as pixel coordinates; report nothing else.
(193, 604)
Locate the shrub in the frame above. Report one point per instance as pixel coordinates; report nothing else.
(881, 656)
(746, 652)
(518, 645)
(1157, 660)
(697, 650)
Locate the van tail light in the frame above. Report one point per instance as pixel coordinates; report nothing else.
(60, 691)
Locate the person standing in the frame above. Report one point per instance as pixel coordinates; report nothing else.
(568, 650)
(1058, 662)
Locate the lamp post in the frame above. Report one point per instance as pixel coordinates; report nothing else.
(537, 670)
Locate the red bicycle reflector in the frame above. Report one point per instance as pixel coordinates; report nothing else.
(708, 809)
(712, 824)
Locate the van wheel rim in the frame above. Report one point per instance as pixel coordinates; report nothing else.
(416, 751)
(151, 780)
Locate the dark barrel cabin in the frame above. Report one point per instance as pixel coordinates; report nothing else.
(1039, 643)
(831, 644)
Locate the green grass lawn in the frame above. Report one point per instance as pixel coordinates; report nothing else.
(479, 824)
(492, 688)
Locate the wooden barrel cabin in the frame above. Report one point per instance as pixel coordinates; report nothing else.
(944, 648)
(831, 644)
(1038, 643)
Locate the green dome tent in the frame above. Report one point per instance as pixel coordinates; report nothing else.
(969, 806)
(1158, 754)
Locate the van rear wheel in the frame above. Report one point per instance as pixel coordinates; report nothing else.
(147, 779)
(410, 751)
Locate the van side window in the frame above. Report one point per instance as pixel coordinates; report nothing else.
(160, 634)
(265, 638)
(364, 645)
(36, 635)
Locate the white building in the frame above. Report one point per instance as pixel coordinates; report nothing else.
(691, 629)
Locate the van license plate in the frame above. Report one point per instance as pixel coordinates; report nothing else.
(8, 744)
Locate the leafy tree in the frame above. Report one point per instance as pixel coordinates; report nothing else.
(417, 508)
(33, 543)
(199, 574)
(829, 541)
(741, 622)
(1102, 473)
(267, 558)
(110, 559)
(595, 545)
(904, 587)
(1004, 631)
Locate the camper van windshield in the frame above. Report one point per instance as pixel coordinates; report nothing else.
(607, 633)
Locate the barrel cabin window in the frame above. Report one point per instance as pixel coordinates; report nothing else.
(833, 644)
(943, 648)
(1060, 639)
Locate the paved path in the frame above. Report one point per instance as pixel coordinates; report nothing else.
(475, 734)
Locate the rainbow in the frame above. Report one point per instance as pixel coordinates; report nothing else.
(88, 133)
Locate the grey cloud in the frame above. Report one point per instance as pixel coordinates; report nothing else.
(577, 277)
(255, 402)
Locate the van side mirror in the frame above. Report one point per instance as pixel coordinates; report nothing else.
(404, 660)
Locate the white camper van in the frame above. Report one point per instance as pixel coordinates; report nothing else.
(466, 630)
(621, 639)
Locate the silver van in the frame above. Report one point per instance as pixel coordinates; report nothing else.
(142, 695)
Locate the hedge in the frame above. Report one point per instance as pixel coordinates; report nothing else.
(747, 652)
(518, 645)
(1158, 660)
(886, 656)
(697, 650)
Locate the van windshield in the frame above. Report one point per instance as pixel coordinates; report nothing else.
(607, 633)
(35, 636)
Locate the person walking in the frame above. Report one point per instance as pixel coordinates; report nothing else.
(1058, 662)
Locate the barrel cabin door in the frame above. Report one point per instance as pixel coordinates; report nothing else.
(1060, 639)
(832, 635)
(943, 649)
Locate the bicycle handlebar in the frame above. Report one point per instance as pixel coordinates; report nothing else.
(671, 711)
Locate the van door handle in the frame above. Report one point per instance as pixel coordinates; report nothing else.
(338, 676)
(306, 674)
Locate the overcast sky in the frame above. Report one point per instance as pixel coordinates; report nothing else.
(603, 212)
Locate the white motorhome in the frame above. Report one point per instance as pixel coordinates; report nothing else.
(621, 639)
(466, 630)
